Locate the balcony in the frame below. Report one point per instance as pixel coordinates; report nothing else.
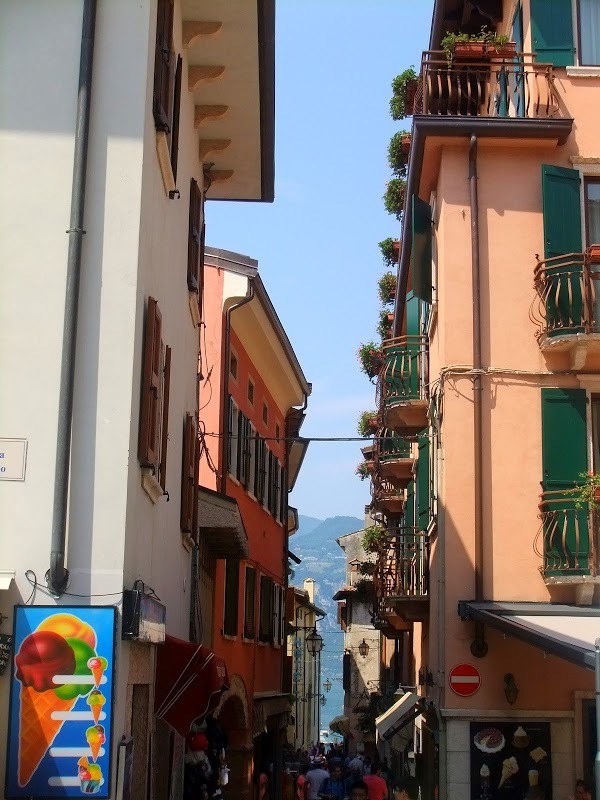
(512, 88)
(402, 385)
(567, 544)
(565, 307)
(393, 459)
(386, 497)
(402, 576)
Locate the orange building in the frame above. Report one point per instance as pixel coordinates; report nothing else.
(253, 394)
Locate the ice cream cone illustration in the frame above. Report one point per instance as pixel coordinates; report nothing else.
(97, 666)
(95, 737)
(95, 701)
(509, 768)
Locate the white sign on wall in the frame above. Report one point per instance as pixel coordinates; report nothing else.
(13, 454)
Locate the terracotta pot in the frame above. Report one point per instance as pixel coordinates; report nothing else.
(396, 248)
(597, 494)
(410, 92)
(405, 144)
(372, 424)
(470, 50)
(505, 50)
(593, 253)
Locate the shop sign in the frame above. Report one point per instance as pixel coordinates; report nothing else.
(5, 651)
(464, 679)
(507, 758)
(61, 698)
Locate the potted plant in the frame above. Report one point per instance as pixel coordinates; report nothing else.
(404, 89)
(398, 151)
(593, 253)
(390, 250)
(393, 199)
(367, 568)
(588, 491)
(374, 538)
(367, 423)
(387, 287)
(384, 328)
(370, 358)
(364, 470)
(477, 46)
(364, 588)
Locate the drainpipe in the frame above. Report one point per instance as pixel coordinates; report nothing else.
(479, 646)
(58, 576)
(225, 439)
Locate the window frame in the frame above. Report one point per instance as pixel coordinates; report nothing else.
(251, 391)
(576, 9)
(585, 182)
(167, 80)
(232, 443)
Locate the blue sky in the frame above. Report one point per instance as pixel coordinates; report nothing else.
(317, 243)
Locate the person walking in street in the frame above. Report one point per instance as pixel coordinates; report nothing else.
(359, 791)
(378, 788)
(300, 782)
(334, 786)
(407, 789)
(314, 778)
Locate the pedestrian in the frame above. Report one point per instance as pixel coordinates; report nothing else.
(406, 789)
(314, 778)
(357, 764)
(359, 791)
(334, 786)
(301, 782)
(378, 788)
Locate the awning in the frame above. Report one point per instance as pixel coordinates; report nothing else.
(340, 724)
(221, 525)
(189, 682)
(565, 631)
(398, 716)
(6, 576)
(272, 706)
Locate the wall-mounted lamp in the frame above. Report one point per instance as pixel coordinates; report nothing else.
(327, 685)
(323, 700)
(363, 648)
(511, 690)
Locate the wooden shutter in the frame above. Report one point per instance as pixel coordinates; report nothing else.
(347, 672)
(562, 210)
(163, 60)
(232, 578)
(201, 263)
(188, 473)
(166, 384)
(194, 237)
(423, 482)
(250, 603)
(197, 452)
(421, 248)
(148, 442)
(409, 505)
(552, 31)
(175, 120)
(265, 631)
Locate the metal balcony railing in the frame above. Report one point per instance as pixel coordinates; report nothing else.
(567, 535)
(402, 568)
(565, 301)
(511, 87)
(390, 447)
(404, 373)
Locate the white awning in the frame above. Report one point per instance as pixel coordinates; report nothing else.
(397, 717)
(569, 632)
(340, 724)
(6, 576)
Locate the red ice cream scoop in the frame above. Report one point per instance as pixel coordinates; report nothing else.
(43, 655)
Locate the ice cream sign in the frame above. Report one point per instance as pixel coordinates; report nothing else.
(59, 742)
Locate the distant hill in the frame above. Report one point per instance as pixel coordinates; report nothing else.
(307, 524)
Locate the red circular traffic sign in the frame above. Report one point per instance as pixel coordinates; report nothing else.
(464, 679)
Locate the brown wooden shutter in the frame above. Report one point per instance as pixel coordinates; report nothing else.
(175, 121)
(194, 237)
(232, 578)
(163, 60)
(265, 633)
(197, 450)
(188, 473)
(162, 470)
(250, 603)
(201, 263)
(148, 444)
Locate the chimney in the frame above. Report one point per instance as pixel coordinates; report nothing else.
(309, 586)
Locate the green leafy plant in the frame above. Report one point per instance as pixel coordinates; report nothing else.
(387, 287)
(398, 150)
(586, 492)
(403, 86)
(364, 588)
(370, 358)
(374, 538)
(393, 198)
(384, 327)
(363, 470)
(367, 568)
(367, 423)
(490, 38)
(388, 247)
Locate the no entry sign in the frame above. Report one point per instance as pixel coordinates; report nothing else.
(464, 679)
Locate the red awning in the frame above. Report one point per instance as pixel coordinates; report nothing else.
(189, 682)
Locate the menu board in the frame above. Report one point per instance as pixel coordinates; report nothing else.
(59, 742)
(509, 757)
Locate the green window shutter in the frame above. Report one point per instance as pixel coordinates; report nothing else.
(562, 210)
(423, 482)
(552, 31)
(409, 506)
(421, 248)
(564, 437)
(413, 316)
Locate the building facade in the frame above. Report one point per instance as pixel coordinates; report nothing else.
(488, 405)
(152, 108)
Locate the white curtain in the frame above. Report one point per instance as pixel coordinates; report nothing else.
(589, 25)
(593, 212)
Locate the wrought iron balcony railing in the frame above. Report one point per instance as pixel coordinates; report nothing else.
(391, 447)
(567, 536)
(511, 87)
(404, 373)
(565, 301)
(402, 568)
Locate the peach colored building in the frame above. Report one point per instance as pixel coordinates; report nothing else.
(253, 394)
(489, 406)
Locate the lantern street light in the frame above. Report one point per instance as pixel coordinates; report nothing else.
(314, 643)
(363, 648)
(323, 700)
(327, 685)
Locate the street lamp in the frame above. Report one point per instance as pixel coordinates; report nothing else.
(314, 643)
(327, 685)
(323, 700)
(363, 648)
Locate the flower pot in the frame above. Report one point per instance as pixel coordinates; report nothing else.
(405, 144)
(372, 424)
(470, 50)
(597, 494)
(396, 249)
(410, 92)
(506, 50)
(593, 253)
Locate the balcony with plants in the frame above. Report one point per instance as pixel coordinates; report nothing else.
(403, 384)
(393, 459)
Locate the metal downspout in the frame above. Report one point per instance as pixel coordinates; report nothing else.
(58, 576)
(225, 439)
(441, 538)
(478, 646)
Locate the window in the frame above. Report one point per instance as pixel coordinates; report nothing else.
(588, 32)
(196, 228)
(167, 82)
(189, 476)
(250, 603)
(260, 470)
(232, 577)
(232, 440)
(250, 391)
(251, 443)
(243, 464)
(265, 412)
(553, 35)
(233, 366)
(277, 615)
(265, 629)
(154, 406)
(277, 431)
(266, 488)
(591, 188)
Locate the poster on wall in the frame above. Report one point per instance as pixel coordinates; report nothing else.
(61, 697)
(509, 757)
